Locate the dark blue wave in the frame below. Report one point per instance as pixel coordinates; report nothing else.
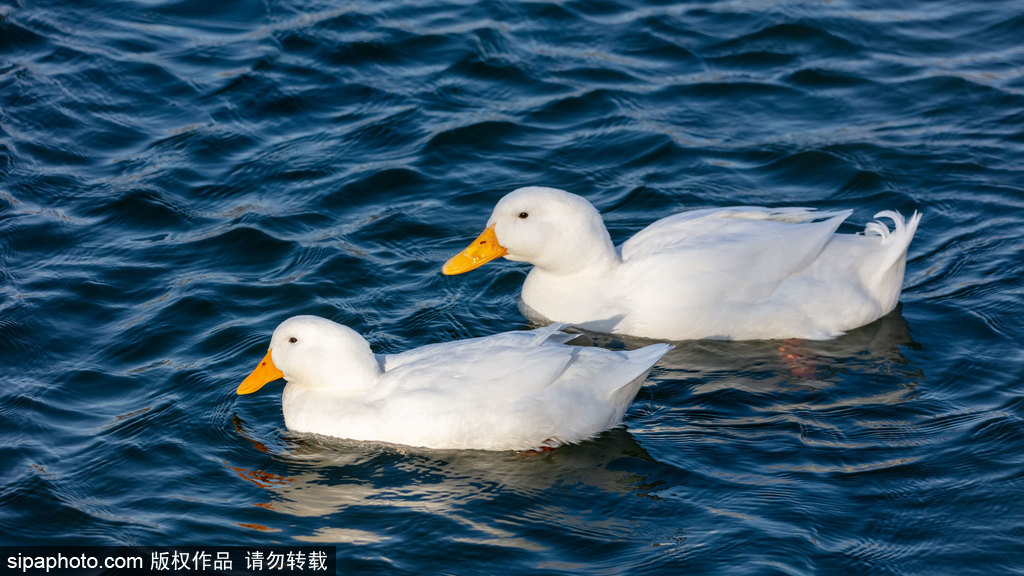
(177, 177)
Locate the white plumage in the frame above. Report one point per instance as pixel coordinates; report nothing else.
(510, 391)
(734, 273)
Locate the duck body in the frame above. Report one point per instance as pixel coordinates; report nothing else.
(738, 273)
(510, 391)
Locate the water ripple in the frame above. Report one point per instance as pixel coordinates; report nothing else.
(178, 177)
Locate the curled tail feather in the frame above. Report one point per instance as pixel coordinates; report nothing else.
(895, 241)
(902, 228)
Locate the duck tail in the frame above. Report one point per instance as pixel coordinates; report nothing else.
(903, 230)
(895, 241)
(640, 363)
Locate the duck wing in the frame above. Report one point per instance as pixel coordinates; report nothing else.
(741, 252)
(505, 365)
(516, 390)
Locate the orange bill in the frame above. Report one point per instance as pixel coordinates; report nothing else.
(484, 249)
(265, 372)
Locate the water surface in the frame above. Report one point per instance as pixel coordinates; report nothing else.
(177, 177)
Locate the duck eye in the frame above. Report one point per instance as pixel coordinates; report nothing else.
(523, 215)
(293, 339)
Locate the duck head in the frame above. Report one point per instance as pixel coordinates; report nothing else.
(315, 353)
(552, 229)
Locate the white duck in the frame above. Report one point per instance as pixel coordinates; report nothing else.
(511, 391)
(739, 273)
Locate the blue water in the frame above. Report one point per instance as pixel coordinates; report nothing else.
(177, 177)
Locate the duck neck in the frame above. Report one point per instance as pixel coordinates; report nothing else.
(583, 253)
(356, 377)
(325, 373)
